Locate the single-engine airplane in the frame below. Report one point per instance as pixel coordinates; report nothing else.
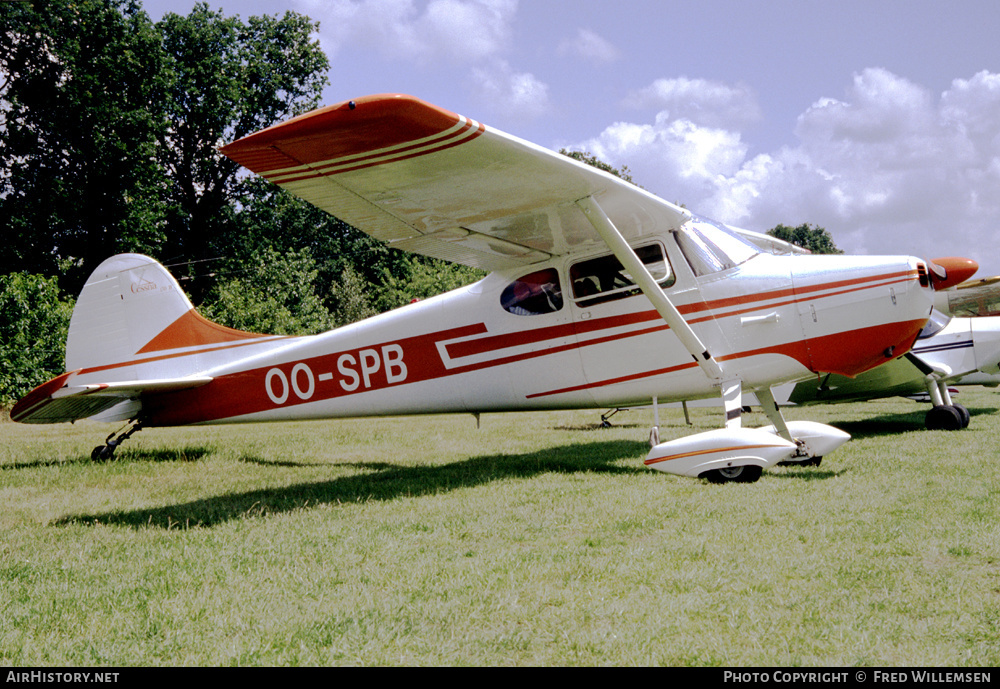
(601, 294)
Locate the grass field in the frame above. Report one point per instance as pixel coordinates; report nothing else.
(538, 539)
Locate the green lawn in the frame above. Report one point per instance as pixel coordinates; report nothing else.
(538, 539)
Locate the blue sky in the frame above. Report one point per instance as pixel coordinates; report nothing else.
(876, 119)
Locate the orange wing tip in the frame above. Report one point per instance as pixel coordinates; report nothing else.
(345, 129)
(951, 271)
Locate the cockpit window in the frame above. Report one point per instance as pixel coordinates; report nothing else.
(710, 248)
(603, 278)
(533, 294)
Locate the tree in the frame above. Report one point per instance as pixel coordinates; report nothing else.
(270, 216)
(426, 277)
(274, 295)
(78, 176)
(814, 238)
(592, 160)
(225, 80)
(111, 126)
(33, 325)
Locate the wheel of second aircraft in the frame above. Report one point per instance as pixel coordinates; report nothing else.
(742, 474)
(964, 413)
(943, 418)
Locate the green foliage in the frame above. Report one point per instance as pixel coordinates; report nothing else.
(111, 126)
(425, 277)
(225, 79)
(350, 296)
(268, 215)
(33, 326)
(78, 177)
(275, 294)
(110, 132)
(811, 237)
(592, 160)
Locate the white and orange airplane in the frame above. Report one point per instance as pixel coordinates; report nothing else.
(600, 295)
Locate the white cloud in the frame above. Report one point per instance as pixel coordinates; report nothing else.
(707, 103)
(444, 29)
(435, 37)
(515, 95)
(891, 168)
(590, 46)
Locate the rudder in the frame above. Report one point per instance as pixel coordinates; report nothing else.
(126, 302)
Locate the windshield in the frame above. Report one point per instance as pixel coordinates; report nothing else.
(709, 247)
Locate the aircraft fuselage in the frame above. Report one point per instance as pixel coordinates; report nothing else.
(770, 319)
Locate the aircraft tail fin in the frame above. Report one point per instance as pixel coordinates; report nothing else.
(132, 306)
(133, 332)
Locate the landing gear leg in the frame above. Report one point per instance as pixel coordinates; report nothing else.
(103, 453)
(774, 415)
(654, 432)
(606, 417)
(944, 415)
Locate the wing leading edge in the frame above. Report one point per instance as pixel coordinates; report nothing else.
(432, 182)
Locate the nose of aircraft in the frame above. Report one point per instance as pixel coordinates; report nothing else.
(859, 312)
(951, 271)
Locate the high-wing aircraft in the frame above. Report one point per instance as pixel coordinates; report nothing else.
(601, 294)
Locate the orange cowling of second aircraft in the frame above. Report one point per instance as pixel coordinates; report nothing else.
(951, 271)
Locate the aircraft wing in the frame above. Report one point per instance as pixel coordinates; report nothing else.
(894, 378)
(432, 182)
(973, 298)
(57, 401)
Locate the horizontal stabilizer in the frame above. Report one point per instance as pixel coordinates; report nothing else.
(57, 401)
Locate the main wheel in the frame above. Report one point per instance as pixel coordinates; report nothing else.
(943, 418)
(742, 474)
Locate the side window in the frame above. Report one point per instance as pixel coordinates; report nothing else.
(533, 294)
(601, 279)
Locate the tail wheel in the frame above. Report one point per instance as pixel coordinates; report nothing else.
(741, 474)
(102, 453)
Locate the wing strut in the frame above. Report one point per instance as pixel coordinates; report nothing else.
(624, 253)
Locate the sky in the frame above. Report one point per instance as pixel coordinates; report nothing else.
(878, 120)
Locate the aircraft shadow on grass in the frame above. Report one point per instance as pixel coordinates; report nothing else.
(177, 454)
(382, 481)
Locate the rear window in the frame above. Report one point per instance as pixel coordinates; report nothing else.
(533, 294)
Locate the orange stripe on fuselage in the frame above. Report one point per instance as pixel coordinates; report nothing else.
(243, 393)
(493, 343)
(828, 350)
